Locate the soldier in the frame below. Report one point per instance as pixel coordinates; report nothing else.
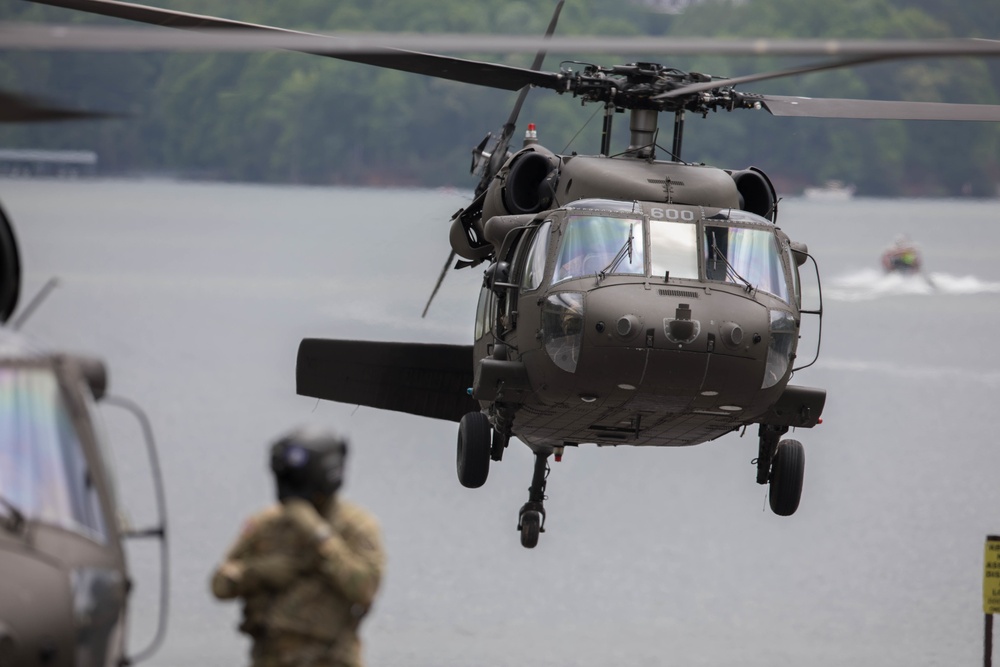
(308, 567)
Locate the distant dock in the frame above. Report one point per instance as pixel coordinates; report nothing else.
(39, 162)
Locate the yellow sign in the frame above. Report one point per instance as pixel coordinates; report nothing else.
(991, 575)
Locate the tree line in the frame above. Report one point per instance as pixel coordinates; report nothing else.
(285, 117)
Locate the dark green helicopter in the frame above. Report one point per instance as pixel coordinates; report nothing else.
(64, 579)
(627, 299)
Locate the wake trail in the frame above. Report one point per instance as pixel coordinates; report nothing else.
(869, 284)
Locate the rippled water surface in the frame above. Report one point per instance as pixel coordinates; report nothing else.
(197, 296)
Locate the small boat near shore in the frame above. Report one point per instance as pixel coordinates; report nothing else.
(830, 191)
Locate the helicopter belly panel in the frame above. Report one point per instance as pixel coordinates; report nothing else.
(644, 396)
(637, 423)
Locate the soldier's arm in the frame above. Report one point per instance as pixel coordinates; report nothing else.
(244, 572)
(353, 563)
(351, 560)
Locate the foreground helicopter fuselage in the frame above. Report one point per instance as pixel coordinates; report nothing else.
(63, 576)
(64, 580)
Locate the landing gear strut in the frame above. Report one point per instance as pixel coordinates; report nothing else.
(531, 519)
(781, 464)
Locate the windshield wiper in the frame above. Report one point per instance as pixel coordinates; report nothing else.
(14, 522)
(729, 267)
(626, 251)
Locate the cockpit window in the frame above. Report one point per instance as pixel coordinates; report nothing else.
(43, 470)
(745, 256)
(673, 249)
(593, 244)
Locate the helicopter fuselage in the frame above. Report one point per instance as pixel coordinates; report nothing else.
(638, 323)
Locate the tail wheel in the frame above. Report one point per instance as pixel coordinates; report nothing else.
(475, 439)
(787, 472)
(531, 526)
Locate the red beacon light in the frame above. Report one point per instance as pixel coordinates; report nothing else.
(530, 135)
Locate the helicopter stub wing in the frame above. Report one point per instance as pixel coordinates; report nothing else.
(831, 107)
(430, 380)
(492, 75)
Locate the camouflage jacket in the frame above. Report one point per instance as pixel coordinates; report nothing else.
(303, 598)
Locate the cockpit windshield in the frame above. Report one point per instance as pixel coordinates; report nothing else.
(594, 244)
(44, 472)
(746, 256)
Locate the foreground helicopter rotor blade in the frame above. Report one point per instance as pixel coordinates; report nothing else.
(830, 107)
(24, 109)
(492, 75)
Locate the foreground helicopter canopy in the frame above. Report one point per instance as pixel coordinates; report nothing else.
(62, 570)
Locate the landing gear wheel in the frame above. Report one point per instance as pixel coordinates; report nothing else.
(475, 438)
(786, 477)
(531, 526)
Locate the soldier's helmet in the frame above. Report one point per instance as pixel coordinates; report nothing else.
(308, 463)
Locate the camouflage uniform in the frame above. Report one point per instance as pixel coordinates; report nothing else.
(304, 592)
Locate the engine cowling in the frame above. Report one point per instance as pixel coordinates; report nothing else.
(526, 184)
(757, 193)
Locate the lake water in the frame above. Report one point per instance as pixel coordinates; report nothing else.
(198, 294)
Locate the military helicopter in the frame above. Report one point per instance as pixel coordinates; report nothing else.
(64, 580)
(626, 299)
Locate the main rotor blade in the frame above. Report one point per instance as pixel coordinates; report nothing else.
(480, 73)
(764, 76)
(437, 285)
(779, 105)
(499, 154)
(24, 109)
(536, 64)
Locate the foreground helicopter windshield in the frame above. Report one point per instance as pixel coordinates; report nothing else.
(43, 468)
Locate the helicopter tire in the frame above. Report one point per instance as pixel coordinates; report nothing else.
(531, 526)
(786, 477)
(475, 440)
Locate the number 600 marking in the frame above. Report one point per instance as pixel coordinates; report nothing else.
(671, 214)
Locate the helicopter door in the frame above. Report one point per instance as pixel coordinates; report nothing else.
(529, 271)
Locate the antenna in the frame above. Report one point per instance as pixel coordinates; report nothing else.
(35, 302)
